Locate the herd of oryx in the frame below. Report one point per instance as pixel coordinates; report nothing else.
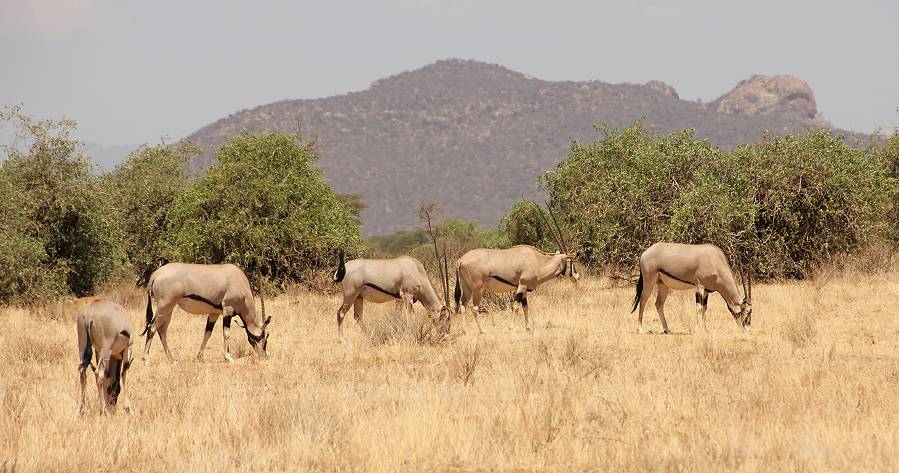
(104, 329)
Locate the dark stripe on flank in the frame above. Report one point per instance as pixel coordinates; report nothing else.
(203, 300)
(666, 273)
(395, 295)
(504, 281)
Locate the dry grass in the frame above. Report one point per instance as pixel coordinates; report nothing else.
(812, 387)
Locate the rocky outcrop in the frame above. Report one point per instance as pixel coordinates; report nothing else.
(662, 87)
(769, 94)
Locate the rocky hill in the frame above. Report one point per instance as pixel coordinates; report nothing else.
(474, 136)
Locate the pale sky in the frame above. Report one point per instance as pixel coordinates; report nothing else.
(131, 72)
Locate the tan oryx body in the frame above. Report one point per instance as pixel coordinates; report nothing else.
(207, 289)
(104, 332)
(521, 269)
(382, 280)
(701, 268)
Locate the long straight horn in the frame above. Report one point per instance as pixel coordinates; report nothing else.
(749, 299)
(743, 281)
(558, 228)
(546, 222)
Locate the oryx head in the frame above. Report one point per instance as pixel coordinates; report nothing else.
(567, 258)
(568, 267)
(260, 342)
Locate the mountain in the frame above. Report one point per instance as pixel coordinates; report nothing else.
(473, 137)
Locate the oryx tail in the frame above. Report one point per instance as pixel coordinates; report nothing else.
(639, 292)
(341, 268)
(457, 294)
(149, 308)
(88, 352)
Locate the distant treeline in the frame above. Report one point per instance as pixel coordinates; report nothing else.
(784, 206)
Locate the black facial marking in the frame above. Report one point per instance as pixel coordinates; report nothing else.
(203, 300)
(395, 295)
(666, 273)
(210, 324)
(519, 297)
(504, 281)
(524, 301)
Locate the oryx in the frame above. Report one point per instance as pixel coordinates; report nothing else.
(205, 289)
(104, 331)
(521, 269)
(382, 280)
(702, 268)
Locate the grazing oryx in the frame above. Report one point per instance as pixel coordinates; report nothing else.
(382, 280)
(104, 331)
(521, 269)
(702, 268)
(207, 289)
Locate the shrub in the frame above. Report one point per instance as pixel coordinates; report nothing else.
(264, 207)
(60, 233)
(618, 196)
(785, 205)
(145, 188)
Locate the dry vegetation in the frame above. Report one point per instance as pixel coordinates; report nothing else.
(812, 387)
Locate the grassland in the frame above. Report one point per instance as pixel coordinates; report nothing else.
(813, 387)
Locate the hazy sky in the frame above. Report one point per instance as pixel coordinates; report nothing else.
(133, 71)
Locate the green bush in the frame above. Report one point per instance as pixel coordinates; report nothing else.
(784, 205)
(60, 234)
(145, 188)
(264, 207)
(527, 223)
(617, 196)
(886, 152)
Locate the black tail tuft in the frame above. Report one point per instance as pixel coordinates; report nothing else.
(341, 268)
(457, 294)
(639, 292)
(149, 310)
(88, 350)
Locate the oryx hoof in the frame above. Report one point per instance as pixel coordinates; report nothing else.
(640, 330)
(229, 358)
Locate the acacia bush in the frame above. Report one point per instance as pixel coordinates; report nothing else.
(785, 205)
(527, 223)
(264, 207)
(145, 188)
(59, 234)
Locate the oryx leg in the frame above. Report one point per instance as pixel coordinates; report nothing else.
(82, 375)
(227, 315)
(126, 364)
(357, 313)
(521, 296)
(348, 301)
(649, 281)
(476, 294)
(210, 324)
(702, 299)
(103, 379)
(163, 327)
(660, 305)
(164, 311)
(407, 303)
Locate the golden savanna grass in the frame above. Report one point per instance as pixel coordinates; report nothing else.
(814, 386)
